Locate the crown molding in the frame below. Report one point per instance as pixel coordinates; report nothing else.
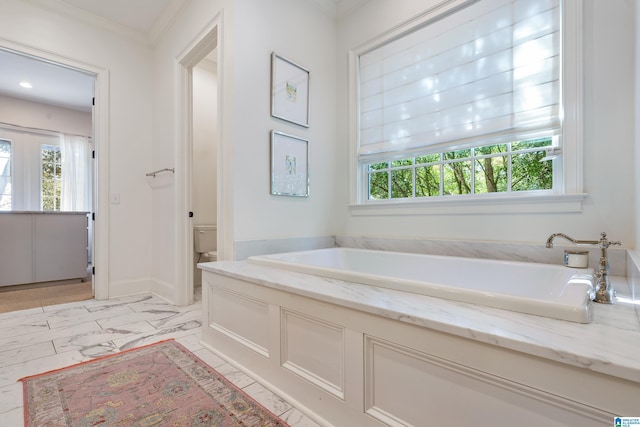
(67, 10)
(166, 19)
(346, 7)
(327, 6)
(338, 8)
(160, 26)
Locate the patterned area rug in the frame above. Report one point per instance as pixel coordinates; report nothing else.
(161, 384)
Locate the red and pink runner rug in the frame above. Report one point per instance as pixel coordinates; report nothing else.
(161, 384)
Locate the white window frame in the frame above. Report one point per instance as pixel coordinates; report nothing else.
(568, 168)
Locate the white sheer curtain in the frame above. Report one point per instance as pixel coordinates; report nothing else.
(76, 176)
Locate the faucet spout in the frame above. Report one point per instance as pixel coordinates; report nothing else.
(571, 239)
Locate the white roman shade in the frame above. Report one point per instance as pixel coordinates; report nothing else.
(484, 73)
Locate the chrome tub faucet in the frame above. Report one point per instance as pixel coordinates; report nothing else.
(605, 292)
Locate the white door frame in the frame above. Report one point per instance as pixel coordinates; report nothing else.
(207, 40)
(101, 145)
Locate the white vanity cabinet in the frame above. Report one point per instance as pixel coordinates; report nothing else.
(356, 368)
(42, 247)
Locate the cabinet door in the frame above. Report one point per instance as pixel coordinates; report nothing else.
(15, 249)
(60, 247)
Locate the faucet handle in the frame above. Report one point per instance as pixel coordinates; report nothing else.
(604, 243)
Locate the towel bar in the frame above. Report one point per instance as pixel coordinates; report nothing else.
(153, 174)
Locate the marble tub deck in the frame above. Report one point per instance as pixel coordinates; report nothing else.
(39, 340)
(609, 344)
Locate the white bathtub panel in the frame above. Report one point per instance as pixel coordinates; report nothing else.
(315, 350)
(404, 387)
(241, 318)
(407, 366)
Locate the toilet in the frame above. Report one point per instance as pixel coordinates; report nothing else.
(205, 240)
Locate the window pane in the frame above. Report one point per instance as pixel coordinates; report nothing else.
(532, 143)
(50, 190)
(47, 187)
(47, 204)
(428, 181)
(5, 175)
(491, 175)
(457, 178)
(529, 173)
(379, 166)
(402, 181)
(459, 154)
(403, 162)
(491, 149)
(379, 186)
(433, 158)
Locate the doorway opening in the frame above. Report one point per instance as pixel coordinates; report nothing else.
(48, 127)
(204, 162)
(198, 180)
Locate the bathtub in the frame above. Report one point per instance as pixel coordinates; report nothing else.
(545, 290)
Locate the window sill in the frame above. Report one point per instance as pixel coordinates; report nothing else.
(460, 205)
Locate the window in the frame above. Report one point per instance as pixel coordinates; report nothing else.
(5, 175)
(42, 170)
(489, 169)
(51, 182)
(469, 102)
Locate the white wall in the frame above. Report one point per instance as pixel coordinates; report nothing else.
(301, 32)
(167, 142)
(129, 146)
(251, 30)
(42, 116)
(609, 49)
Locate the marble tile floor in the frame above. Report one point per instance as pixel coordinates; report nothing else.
(41, 339)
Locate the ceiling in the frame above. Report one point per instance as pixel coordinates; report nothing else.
(69, 88)
(64, 87)
(51, 83)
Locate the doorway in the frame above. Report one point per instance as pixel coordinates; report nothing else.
(204, 164)
(203, 50)
(46, 65)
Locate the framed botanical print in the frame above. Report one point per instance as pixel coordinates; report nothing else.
(289, 91)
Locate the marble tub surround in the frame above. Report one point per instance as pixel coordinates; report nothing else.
(246, 248)
(607, 345)
(46, 338)
(524, 252)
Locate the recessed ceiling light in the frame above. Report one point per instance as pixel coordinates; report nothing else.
(26, 85)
